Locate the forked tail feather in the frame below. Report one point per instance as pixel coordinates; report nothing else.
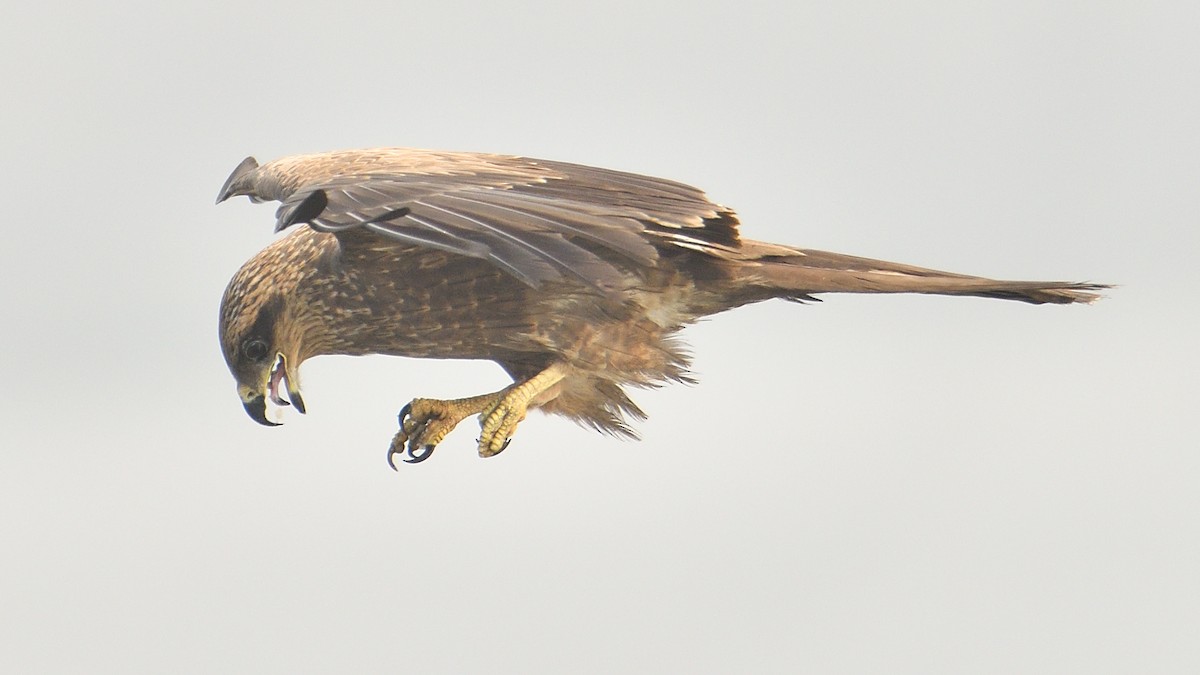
(804, 272)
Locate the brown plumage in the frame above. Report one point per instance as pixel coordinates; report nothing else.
(576, 280)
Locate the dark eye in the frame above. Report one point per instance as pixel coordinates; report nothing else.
(254, 349)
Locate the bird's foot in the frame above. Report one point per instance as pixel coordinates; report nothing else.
(424, 422)
(498, 426)
(499, 422)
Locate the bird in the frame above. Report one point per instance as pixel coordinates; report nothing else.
(576, 280)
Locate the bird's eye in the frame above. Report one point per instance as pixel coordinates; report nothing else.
(254, 349)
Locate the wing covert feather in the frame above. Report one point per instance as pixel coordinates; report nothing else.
(537, 220)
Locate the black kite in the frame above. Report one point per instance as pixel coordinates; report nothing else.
(576, 280)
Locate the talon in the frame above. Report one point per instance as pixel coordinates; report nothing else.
(425, 422)
(392, 452)
(415, 457)
(485, 451)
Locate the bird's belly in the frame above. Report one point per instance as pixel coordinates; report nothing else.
(452, 340)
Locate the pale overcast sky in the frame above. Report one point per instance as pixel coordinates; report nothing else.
(869, 485)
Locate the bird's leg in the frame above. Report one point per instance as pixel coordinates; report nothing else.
(500, 420)
(424, 422)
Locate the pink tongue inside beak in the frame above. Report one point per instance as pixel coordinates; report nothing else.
(277, 375)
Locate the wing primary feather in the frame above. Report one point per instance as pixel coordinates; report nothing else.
(606, 178)
(521, 261)
(498, 232)
(249, 164)
(587, 266)
(604, 232)
(305, 211)
(391, 215)
(467, 248)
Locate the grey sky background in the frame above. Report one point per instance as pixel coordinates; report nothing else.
(868, 485)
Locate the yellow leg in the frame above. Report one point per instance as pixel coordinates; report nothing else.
(500, 421)
(425, 422)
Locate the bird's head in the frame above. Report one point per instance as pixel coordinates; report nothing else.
(261, 350)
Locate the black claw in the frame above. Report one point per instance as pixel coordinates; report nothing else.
(502, 448)
(415, 453)
(416, 457)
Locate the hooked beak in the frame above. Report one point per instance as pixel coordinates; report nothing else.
(256, 408)
(255, 400)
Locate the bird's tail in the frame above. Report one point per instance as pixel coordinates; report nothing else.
(800, 273)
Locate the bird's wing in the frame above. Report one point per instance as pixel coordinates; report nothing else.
(536, 220)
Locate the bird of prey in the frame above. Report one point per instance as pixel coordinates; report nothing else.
(576, 280)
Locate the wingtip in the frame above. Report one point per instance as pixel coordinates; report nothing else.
(230, 187)
(305, 211)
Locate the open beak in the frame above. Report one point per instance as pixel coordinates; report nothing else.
(255, 402)
(256, 408)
